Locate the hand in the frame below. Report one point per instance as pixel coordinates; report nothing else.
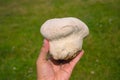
(49, 69)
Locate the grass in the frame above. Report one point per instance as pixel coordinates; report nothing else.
(20, 39)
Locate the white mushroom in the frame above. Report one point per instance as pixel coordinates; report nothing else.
(65, 36)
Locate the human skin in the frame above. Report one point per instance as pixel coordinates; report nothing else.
(50, 69)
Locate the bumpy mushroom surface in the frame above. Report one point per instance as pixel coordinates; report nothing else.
(65, 36)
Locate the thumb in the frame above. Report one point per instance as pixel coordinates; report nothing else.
(44, 50)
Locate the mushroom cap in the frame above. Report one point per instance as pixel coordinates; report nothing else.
(65, 36)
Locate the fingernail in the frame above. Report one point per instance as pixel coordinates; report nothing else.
(44, 41)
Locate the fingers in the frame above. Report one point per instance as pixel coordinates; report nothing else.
(77, 58)
(44, 50)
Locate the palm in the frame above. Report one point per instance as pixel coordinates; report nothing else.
(58, 70)
(54, 70)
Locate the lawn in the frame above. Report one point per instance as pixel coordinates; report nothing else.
(20, 39)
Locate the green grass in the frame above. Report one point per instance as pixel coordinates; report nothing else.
(20, 39)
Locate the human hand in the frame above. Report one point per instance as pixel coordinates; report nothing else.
(50, 69)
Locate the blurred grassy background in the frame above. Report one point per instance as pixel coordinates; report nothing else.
(20, 39)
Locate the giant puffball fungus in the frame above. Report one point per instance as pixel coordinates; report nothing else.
(65, 36)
